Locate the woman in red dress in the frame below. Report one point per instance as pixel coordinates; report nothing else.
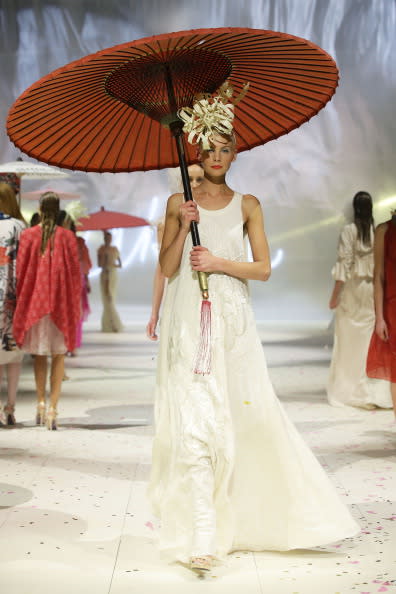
(381, 359)
(48, 301)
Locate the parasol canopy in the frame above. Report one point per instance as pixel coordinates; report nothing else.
(111, 111)
(109, 219)
(35, 195)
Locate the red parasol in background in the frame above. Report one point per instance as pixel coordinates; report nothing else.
(35, 194)
(109, 219)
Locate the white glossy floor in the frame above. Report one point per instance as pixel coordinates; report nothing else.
(73, 512)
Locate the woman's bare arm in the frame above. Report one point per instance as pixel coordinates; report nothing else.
(158, 292)
(100, 258)
(335, 296)
(178, 218)
(380, 324)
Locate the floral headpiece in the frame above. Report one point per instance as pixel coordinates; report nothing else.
(210, 115)
(76, 211)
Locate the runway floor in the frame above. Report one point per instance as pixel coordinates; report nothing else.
(73, 513)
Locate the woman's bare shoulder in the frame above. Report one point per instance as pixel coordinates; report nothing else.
(381, 228)
(175, 198)
(251, 200)
(250, 204)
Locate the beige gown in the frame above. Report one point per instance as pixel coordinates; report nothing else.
(108, 287)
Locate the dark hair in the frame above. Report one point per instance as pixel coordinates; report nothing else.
(61, 218)
(35, 219)
(49, 210)
(8, 202)
(363, 211)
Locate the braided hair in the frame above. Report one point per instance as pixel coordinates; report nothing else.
(49, 210)
(363, 211)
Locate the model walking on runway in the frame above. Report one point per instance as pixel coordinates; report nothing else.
(353, 300)
(230, 472)
(48, 302)
(109, 260)
(11, 227)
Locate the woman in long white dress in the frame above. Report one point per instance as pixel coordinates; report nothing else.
(229, 470)
(353, 300)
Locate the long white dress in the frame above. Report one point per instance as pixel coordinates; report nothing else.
(348, 384)
(229, 470)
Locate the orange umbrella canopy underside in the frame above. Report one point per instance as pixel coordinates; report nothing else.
(109, 111)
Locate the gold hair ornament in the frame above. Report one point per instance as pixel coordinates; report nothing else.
(210, 115)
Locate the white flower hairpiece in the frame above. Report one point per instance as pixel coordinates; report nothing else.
(210, 115)
(76, 210)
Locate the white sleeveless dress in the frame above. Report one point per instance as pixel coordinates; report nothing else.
(229, 471)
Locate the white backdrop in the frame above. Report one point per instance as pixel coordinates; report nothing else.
(305, 180)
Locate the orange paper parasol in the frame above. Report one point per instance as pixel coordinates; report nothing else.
(117, 110)
(111, 110)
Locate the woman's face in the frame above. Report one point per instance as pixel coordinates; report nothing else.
(216, 161)
(196, 175)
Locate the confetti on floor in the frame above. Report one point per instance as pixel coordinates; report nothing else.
(73, 506)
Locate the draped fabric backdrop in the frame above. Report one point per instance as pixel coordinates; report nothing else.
(305, 180)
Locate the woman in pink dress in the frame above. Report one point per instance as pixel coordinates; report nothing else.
(48, 301)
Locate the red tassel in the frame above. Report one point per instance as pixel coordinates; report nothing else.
(203, 357)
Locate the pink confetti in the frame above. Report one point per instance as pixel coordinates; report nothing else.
(149, 525)
(383, 589)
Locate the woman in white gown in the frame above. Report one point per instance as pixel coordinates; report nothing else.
(229, 469)
(353, 300)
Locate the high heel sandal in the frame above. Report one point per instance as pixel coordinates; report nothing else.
(51, 419)
(202, 564)
(9, 415)
(41, 414)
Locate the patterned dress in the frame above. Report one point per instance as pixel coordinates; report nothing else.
(48, 286)
(10, 231)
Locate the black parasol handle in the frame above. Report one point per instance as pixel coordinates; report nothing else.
(185, 178)
(176, 128)
(177, 131)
